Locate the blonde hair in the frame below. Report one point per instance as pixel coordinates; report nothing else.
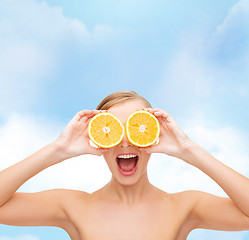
(119, 97)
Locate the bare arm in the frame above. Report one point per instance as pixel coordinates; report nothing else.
(216, 212)
(44, 207)
(211, 212)
(15, 176)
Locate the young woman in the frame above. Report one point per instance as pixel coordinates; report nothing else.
(128, 207)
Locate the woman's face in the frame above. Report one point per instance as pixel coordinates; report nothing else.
(122, 111)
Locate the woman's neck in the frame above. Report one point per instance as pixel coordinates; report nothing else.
(129, 194)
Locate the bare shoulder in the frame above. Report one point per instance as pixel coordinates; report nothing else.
(180, 207)
(187, 198)
(69, 200)
(185, 203)
(71, 192)
(70, 197)
(72, 202)
(184, 197)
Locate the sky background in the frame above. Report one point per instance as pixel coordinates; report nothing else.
(190, 58)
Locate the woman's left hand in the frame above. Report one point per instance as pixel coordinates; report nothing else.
(172, 140)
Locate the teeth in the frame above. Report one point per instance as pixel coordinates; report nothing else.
(127, 156)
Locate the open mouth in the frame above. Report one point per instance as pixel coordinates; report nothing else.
(127, 163)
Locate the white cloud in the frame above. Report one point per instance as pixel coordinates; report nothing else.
(230, 41)
(205, 69)
(21, 237)
(30, 21)
(187, 73)
(23, 68)
(227, 144)
(237, 16)
(21, 136)
(188, 79)
(35, 41)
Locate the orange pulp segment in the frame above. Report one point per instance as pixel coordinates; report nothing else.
(105, 130)
(142, 128)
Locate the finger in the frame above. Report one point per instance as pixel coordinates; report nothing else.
(87, 119)
(162, 114)
(152, 109)
(147, 109)
(82, 113)
(156, 109)
(157, 112)
(85, 116)
(171, 123)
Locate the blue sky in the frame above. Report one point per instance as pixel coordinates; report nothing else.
(188, 57)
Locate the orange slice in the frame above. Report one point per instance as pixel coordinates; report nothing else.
(105, 130)
(142, 128)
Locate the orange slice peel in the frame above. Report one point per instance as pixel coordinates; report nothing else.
(105, 130)
(142, 128)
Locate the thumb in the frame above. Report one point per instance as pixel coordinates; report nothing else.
(149, 149)
(99, 151)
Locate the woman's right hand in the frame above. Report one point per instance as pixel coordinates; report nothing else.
(74, 140)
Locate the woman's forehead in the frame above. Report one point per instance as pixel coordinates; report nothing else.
(123, 110)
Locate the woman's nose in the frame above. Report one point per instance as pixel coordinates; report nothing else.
(125, 142)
